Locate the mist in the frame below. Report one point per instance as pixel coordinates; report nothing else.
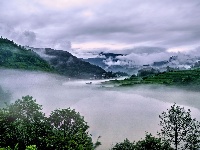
(111, 112)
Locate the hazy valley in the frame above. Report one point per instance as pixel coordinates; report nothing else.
(99, 75)
(112, 113)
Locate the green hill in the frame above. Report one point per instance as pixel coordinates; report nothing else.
(17, 57)
(174, 78)
(67, 64)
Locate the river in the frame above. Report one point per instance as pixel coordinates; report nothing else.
(112, 113)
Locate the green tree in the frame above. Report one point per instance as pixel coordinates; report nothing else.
(31, 147)
(152, 143)
(70, 130)
(193, 137)
(179, 129)
(125, 145)
(149, 143)
(23, 123)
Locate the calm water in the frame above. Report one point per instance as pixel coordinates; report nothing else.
(112, 113)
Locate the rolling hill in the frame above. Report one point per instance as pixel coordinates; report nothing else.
(17, 57)
(14, 56)
(184, 78)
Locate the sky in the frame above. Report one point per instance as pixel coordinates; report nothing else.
(84, 25)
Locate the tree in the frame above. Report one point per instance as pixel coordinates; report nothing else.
(149, 143)
(23, 122)
(126, 145)
(70, 130)
(179, 129)
(152, 143)
(193, 137)
(25, 125)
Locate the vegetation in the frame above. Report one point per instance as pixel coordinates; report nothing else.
(24, 126)
(147, 72)
(179, 131)
(183, 78)
(126, 145)
(17, 57)
(149, 143)
(69, 65)
(62, 62)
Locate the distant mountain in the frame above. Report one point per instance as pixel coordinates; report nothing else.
(179, 61)
(17, 57)
(96, 61)
(67, 64)
(107, 55)
(46, 59)
(104, 60)
(101, 59)
(124, 63)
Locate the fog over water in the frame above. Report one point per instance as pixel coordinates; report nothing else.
(112, 113)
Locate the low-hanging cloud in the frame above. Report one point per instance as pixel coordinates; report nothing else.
(140, 56)
(112, 113)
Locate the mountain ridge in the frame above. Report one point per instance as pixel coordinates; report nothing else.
(15, 56)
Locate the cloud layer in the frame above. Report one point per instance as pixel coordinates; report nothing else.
(100, 23)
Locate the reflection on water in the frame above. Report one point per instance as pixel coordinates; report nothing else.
(113, 113)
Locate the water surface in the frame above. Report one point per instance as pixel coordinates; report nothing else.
(112, 113)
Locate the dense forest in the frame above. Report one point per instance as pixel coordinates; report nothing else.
(17, 57)
(23, 125)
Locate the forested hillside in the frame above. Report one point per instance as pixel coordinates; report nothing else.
(67, 64)
(17, 57)
(188, 78)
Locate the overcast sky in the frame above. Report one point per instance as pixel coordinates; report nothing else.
(111, 24)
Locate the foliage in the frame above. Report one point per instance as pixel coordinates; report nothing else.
(97, 143)
(69, 130)
(31, 147)
(62, 62)
(152, 143)
(23, 123)
(17, 57)
(76, 68)
(126, 145)
(179, 129)
(183, 78)
(149, 143)
(147, 72)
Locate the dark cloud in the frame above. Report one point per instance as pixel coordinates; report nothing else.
(155, 23)
(27, 37)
